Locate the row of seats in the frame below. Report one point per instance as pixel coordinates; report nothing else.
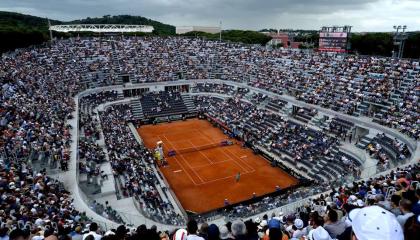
(157, 104)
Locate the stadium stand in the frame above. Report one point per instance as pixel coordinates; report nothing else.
(157, 104)
(38, 87)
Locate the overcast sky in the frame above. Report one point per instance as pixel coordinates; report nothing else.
(363, 15)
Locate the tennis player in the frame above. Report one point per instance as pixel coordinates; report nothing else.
(238, 176)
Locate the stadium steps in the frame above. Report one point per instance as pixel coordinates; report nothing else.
(362, 109)
(364, 141)
(407, 84)
(351, 156)
(216, 70)
(137, 109)
(119, 80)
(189, 103)
(395, 97)
(276, 107)
(183, 71)
(120, 95)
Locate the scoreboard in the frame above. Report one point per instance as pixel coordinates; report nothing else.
(334, 39)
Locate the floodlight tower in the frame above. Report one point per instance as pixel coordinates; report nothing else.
(400, 35)
(220, 29)
(49, 28)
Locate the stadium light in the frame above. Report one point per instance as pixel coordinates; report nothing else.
(220, 33)
(399, 40)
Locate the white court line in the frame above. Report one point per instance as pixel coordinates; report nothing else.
(176, 159)
(192, 169)
(203, 134)
(214, 180)
(233, 160)
(207, 165)
(244, 162)
(219, 179)
(208, 159)
(253, 170)
(185, 160)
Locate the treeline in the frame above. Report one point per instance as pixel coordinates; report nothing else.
(382, 44)
(247, 37)
(20, 30)
(378, 44)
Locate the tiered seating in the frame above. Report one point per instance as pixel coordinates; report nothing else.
(131, 164)
(310, 151)
(160, 104)
(213, 87)
(340, 126)
(304, 114)
(276, 105)
(392, 148)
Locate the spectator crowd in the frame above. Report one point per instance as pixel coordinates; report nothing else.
(33, 206)
(36, 100)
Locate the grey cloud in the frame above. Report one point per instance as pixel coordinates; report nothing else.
(245, 14)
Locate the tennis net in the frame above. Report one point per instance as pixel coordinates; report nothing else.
(200, 148)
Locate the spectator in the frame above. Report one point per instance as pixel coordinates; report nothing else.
(416, 206)
(93, 231)
(225, 234)
(316, 222)
(321, 234)
(405, 207)
(239, 230)
(395, 204)
(375, 223)
(412, 228)
(213, 232)
(192, 229)
(77, 233)
(298, 230)
(332, 225)
(121, 232)
(17, 234)
(204, 231)
(180, 234)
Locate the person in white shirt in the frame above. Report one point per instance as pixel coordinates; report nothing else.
(300, 230)
(192, 228)
(93, 230)
(405, 207)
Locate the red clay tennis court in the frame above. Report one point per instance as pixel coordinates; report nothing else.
(202, 173)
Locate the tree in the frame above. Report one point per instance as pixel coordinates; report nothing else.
(372, 43)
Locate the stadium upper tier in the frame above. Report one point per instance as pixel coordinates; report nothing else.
(383, 88)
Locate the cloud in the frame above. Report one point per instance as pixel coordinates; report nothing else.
(363, 15)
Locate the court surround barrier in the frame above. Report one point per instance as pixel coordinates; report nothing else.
(137, 219)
